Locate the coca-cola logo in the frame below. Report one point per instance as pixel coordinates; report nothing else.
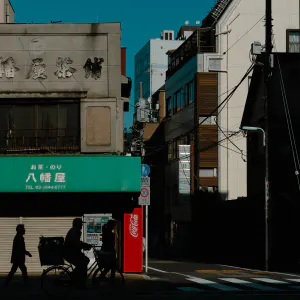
(134, 225)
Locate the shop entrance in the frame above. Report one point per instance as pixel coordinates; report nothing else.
(51, 215)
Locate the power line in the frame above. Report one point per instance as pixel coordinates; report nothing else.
(217, 108)
(221, 56)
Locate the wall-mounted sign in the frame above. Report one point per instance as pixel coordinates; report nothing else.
(84, 173)
(184, 169)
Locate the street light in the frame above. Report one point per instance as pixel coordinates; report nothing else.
(249, 128)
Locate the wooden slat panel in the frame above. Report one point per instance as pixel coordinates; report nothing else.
(208, 164)
(209, 181)
(206, 92)
(208, 139)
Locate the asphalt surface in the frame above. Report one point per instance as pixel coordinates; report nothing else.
(206, 279)
(172, 279)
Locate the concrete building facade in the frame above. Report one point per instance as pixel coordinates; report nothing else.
(242, 23)
(68, 61)
(62, 98)
(7, 13)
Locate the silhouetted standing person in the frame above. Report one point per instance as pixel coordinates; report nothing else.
(18, 255)
(108, 246)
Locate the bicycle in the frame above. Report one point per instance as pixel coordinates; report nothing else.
(63, 275)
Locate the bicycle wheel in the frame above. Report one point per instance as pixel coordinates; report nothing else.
(56, 281)
(100, 281)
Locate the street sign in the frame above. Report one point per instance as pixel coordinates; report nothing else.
(145, 170)
(144, 192)
(144, 201)
(144, 198)
(145, 181)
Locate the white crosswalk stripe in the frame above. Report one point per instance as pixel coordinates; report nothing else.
(250, 284)
(269, 280)
(267, 284)
(213, 284)
(294, 279)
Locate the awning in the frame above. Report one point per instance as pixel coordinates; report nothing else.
(82, 173)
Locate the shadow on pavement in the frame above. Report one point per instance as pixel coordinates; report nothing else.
(154, 288)
(134, 285)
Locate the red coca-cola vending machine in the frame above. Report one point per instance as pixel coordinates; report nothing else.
(133, 241)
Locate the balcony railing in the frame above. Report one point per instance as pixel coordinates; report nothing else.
(200, 41)
(39, 141)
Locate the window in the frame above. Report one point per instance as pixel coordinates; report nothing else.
(170, 36)
(179, 98)
(166, 35)
(178, 101)
(191, 91)
(169, 60)
(293, 41)
(169, 107)
(207, 120)
(146, 62)
(37, 125)
(208, 172)
(174, 104)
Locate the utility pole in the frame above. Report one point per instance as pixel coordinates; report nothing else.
(267, 77)
(146, 212)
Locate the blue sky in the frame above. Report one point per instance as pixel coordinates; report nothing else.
(141, 20)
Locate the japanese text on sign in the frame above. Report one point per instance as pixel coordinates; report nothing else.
(45, 177)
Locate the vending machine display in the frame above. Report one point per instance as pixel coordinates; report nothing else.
(93, 228)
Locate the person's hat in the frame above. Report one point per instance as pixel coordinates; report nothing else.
(77, 221)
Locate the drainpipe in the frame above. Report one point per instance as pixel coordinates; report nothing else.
(227, 105)
(6, 14)
(227, 111)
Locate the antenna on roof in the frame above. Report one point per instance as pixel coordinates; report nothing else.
(187, 22)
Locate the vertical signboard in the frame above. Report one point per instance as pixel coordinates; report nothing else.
(184, 169)
(133, 241)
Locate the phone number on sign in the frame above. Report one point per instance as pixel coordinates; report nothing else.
(46, 187)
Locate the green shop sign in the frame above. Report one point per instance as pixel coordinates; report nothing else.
(84, 173)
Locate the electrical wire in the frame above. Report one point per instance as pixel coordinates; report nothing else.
(218, 107)
(241, 151)
(221, 56)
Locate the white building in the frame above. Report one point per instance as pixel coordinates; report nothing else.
(151, 63)
(238, 24)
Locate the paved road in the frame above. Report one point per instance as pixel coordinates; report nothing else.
(204, 279)
(170, 279)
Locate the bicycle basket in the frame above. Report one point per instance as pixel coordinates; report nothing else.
(51, 251)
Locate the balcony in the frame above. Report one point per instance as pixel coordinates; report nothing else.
(201, 41)
(32, 141)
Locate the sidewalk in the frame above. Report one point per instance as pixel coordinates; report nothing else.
(135, 285)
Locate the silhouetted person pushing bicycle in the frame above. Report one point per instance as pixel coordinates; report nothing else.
(73, 247)
(18, 255)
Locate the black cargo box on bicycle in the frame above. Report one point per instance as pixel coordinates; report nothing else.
(51, 251)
